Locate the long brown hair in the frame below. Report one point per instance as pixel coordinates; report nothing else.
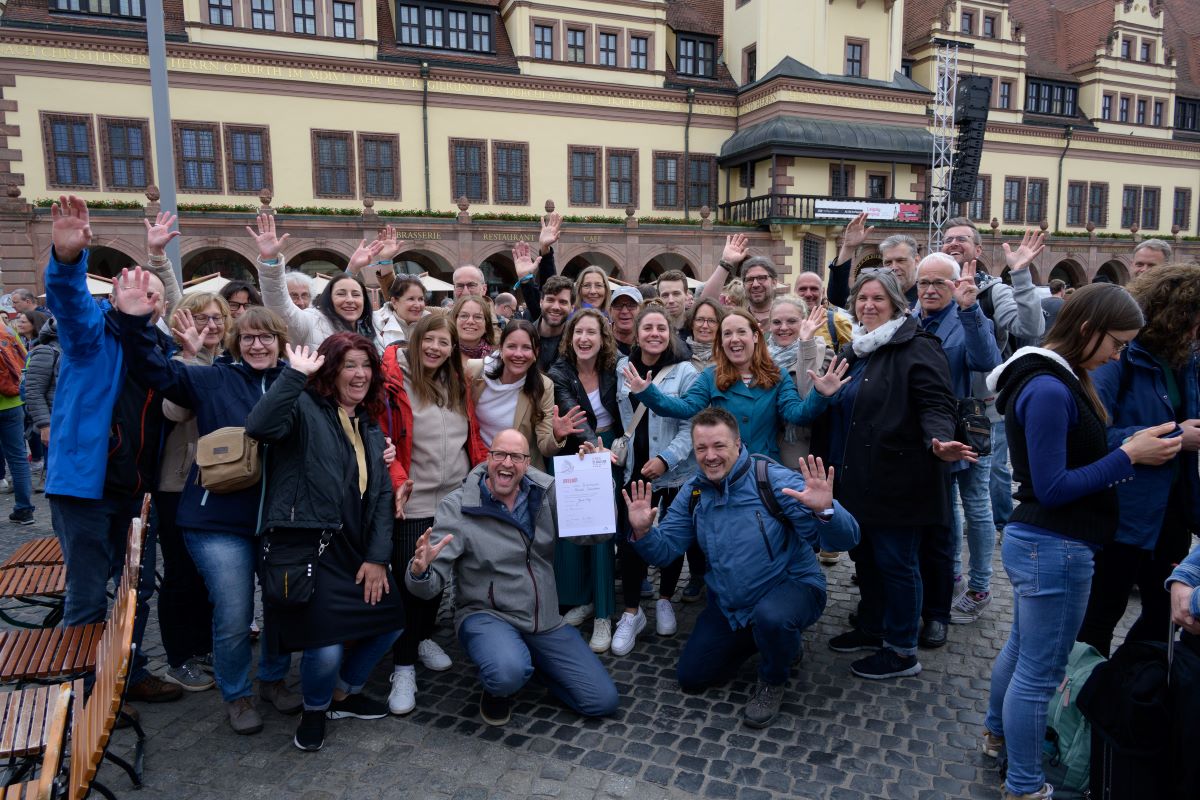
(762, 368)
(533, 387)
(443, 386)
(489, 316)
(606, 359)
(1169, 296)
(1082, 325)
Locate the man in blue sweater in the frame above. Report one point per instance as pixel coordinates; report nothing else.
(105, 449)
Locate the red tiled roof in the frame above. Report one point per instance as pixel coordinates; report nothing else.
(919, 16)
(697, 16)
(1181, 33)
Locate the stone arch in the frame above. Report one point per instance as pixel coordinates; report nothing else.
(1069, 271)
(229, 263)
(497, 266)
(318, 260)
(1112, 271)
(108, 261)
(573, 266)
(426, 259)
(663, 262)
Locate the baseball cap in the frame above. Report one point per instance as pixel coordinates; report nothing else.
(626, 291)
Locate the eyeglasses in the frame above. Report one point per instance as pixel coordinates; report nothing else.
(470, 318)
(939, 284)
(500, 456)
(204, 320)
(707, 322)
(758, 279)
(1119, 346)
(238, 306)
(471, 285)
(248, 339)
(958, 239)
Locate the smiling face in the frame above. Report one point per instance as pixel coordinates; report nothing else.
(738, 340)
(518, 355)
(704, 325)
(760, 286)
(1144, 259)
(785, 323)
(410, 305)
(211, 324)
(504, 475)
(299, 293)
(238, 303)
(592, 289)
(654, 335)
(353, 379)
(872, 307)
(717, 449)
(674, 296)
(556, 308)
(471, 323)
(347, 300)
(586, 340)
(436, 347)
(959, 242)
(624, 313)
(259, 348)
(810, 289)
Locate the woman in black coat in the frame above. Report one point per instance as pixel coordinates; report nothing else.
(891, 436)
(327, 486)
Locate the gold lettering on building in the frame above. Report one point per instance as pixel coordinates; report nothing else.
(592, 239)
(510, 237)
(419, 235)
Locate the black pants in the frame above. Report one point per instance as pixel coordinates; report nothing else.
(420, 615)
(184, 610)
(634, 569)
(937, 573)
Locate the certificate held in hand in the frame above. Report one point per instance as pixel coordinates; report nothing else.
(585, 498)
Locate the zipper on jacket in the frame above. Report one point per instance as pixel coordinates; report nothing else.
(763, 531)
(492, 595)
(537, 614)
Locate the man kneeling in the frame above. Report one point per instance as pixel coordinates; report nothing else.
(765, 586)
(498, 533)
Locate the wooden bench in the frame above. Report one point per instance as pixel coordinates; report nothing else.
(53, 732)
(42, 550)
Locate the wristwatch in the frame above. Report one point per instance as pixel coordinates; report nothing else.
(825, 515)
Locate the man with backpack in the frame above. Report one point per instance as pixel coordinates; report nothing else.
(759, 525)
(12, 425)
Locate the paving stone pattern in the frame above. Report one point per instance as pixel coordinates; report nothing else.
(840, 737)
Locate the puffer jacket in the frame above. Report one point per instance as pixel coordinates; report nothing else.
(307, 326)
(501, 566)
(41, 375)
(670, 438)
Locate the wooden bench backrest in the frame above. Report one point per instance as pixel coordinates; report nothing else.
(56, 738)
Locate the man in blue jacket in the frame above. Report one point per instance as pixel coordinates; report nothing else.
(105, 449)
(765, 586)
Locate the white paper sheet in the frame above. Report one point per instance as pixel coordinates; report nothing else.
(584, 494)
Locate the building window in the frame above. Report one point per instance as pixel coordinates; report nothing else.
(1036, 190)
(576, 46)
(543, 42)
(697, 57)
(1147, 51)
(435, 27)
(906, 69)
(196, 147)
(1106, 107)
(1097, 212)
(746, 175)
(1141, 112)
(877, 186)
(1150, 203)
(1057, 99)
(379, 165)
(1127, 49)
(468, 169)
(812, 253)
(638, 50)
(1005, 94)
(126, 162)
(1131, 198)
(343, 20)
(1158, 113)
(481, 33)
(262, 15)
(979, 207)
(666, 181)
(304, 16)
(968, 22)
(70, 153)
(1187, 114)
(702, 181)
(607, 51)
(247, 159)
(1123, 113)
(456, 29)
(841, 180)
(220, 12)
(622, 177)
(511, 162)
(989, 26)
(1076, 203)
(1014, 200)
(333, 164)
(1182, 215)
(751, 65)
(856, 57)
(410, 25)
(132, 9)
(428, 25)
(584, 175)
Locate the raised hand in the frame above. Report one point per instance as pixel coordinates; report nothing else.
(131, 293)
(636, 382)
(71, 230)
(268, 244)
(373, 577)
(303, 359)
(523, 260)
(965, 290)
(736, 248)
(551, 228)
(812, 323)
(1031, 244)
(587, 448)
(363, 254)
(641, 513)
(833, 379)
(818, 485)
(854, 234)
(570, 424)
(390, 245)
(183, 325)
(953, 451)
(425, 553)
(402, 495)
(158, 234)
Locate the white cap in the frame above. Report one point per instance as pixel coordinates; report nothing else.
(626, 291)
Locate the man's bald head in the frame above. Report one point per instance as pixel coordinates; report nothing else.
(468, 279)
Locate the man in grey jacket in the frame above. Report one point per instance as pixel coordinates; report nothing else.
(496, 535)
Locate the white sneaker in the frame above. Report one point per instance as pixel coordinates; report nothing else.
(403, 697)
(433, 656)
(579, 614)
(664, 618)
(628, 627)
(5, 486)
(601, 635)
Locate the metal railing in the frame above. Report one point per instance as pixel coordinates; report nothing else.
(804, 208)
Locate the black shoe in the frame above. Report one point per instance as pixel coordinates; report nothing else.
(854, 640)
(358, 706)
(933, 635)
(22, 517)
(764, 706)
(495, 710)
(886, 663)
(310, 734)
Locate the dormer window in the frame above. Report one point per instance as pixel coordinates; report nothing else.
(696, 56)
(132, 9)
(1045, 97)
(445, 27)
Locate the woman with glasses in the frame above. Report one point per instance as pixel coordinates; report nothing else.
(475, 327)
(1067, 472)
(592, 289)
(798, 352)
(220, 531)
(430, 415)
(704, 322)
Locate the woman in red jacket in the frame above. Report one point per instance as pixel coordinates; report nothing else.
(430, 416)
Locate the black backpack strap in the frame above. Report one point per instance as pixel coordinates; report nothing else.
(766, 493)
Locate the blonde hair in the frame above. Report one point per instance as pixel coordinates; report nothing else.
(593, 269)
(198, 301)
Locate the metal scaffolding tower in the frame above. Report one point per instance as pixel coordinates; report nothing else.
(941, 170)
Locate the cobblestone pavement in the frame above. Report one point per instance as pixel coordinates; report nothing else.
(839, 737)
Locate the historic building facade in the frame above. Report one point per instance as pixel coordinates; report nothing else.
(655, 126)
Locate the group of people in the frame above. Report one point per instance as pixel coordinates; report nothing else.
(405, 452)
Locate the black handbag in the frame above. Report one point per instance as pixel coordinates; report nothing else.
(288, 566)
(973, 428)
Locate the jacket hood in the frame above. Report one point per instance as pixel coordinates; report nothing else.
(995, 377)
(48, 332)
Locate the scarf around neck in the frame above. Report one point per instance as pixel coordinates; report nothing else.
(784, 356)
(481, 350)
(703, 352)
(865, 343)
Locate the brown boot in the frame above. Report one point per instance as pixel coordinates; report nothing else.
(153, 689)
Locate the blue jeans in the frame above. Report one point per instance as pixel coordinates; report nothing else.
(226, 562)
(1000, 480)
(93, 535)
(508, 658)
(1051, 578)
(889, 583)
(715, 650)
(971, 485)
(12, 441)
(341, 666)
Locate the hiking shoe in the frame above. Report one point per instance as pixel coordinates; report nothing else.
(189, 676)
(992, 744)
(433, 656)
(22, 517)
(960, 586)
(153, 689)
(204, 662)
(694, 589)
(1045, 793)
(243, 716)
(664, 618)
(969, 607)
(495, 710)
(829, 557)
(579, 615)
(601, 635)
(281, 697)
(403, 697)
(628, 627)
(310, 733)
(358, 706)
(764, 706)
(854, 640)
(886, 663)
